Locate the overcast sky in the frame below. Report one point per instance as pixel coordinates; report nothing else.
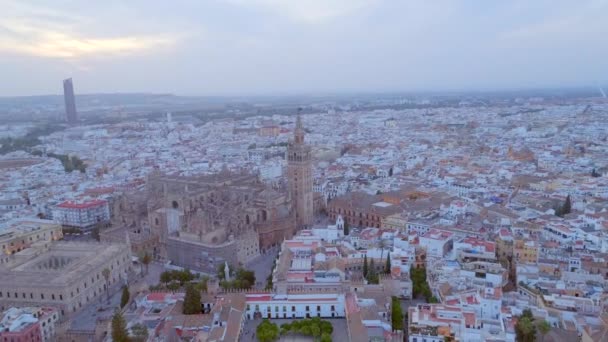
(225, 47)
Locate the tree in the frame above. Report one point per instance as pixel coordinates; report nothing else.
(146, 259)
(325, 337)
(372, 274)
(543, 328)
(567, 208)
(525, 330)
(119, 328)
(346, 228)
(315, 330)
(387, 267)
(192, 301)
(365, 270)
(95, 233)
(165, 277)
(267, 331)
(139, 332)
(326, 327)
(124, 299)
(396, 314)
(106, 275)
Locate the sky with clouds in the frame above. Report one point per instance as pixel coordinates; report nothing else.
(251, 47)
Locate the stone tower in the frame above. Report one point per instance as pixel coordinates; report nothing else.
(299, 173)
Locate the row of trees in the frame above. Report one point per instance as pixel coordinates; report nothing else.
(28, 141)
(421, 286)
(318, 329)
(70, 163)
(370, 273)
(181, 277)
(239, 279)
(565, 208)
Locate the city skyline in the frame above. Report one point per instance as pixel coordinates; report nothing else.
(273, 47)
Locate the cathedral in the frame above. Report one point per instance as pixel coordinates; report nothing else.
(203, 221)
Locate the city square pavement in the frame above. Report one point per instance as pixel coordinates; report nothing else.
(262, 266)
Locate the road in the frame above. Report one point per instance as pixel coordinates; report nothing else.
(262, 266)
(102, 308)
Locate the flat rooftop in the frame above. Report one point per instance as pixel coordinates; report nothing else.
(63, 263)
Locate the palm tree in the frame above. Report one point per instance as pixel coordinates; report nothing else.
(543, 327)
(106, 275)
(146, 259)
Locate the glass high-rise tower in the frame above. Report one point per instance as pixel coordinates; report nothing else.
(70, 101)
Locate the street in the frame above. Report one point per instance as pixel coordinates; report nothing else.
(101, 308)
(262, 266)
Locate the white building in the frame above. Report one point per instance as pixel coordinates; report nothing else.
(438, 243)
(267, 305)
(83, 214)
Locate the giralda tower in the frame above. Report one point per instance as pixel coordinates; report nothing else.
(299, 173)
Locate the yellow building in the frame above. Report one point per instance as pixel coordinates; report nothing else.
(525, 251)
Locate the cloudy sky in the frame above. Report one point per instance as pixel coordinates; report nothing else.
(225, 47)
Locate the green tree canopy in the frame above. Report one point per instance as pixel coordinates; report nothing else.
(124, 298)
(267, 331)
(396, 314)
(387, 267)
(119, 328)
(139, 333)
(192, 301)
(525, 330)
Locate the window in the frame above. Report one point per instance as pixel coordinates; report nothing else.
(318, 307)
(42, 295)
(276, 308)
(53, 296)
(307, 308)
(284, 308)
(293, 308)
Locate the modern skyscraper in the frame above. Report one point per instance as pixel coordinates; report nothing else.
(70, 101)
(299, 173)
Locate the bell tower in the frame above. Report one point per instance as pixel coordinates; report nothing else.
(299, 173)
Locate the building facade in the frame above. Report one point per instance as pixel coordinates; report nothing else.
(23, 233)
(299, 173)
(83, 215)
(203, 221)
(295, 306)
(64, 275)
